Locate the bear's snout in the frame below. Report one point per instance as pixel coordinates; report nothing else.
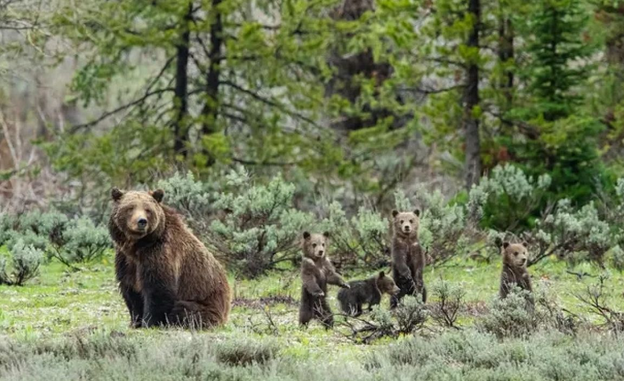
(407, 228)
(320, 253)
(142, 223)
(523, 261)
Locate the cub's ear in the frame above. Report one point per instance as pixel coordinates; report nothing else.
(326, 234)
(525, 244)
(505, 245)
(116, 194)
(306, 236)
(382, 274)
(158, 195)
(417, 212)
(498, 242)
(395, 213)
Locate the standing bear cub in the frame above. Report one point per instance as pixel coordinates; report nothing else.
(316, 273)
(166, 275)
(515, 273)
(367, 291)
(408, 258)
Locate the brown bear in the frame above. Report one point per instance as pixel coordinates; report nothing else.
(316, 272)
(408, 257)
(367, 291)
(166, 275)
(515, 273)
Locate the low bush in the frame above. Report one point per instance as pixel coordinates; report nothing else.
(21, 266)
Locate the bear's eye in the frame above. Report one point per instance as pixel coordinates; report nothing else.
(148, 211)
(323, 244)
(314, 246)
(516, 253)
(411, 221)
(402, 221)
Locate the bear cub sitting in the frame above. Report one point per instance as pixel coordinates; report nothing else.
(515, 273)
(316, 272)
(367, 291)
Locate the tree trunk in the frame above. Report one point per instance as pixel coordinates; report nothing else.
(181, 87)
(471, 100)
(210, 112)
(505, 54)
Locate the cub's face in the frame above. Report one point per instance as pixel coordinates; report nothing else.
(136, 213)
(515, 254)
(386, 284)
(315, 245)
(406, 223)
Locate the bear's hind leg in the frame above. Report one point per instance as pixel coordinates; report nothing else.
(190, 314)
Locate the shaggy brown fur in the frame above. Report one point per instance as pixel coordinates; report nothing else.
(367, 291)
(166, 276)
(408, 258)
(316, 272)
(515, 273)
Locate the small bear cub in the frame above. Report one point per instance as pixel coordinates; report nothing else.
(316, 273)
(367, 291)
(515, 273)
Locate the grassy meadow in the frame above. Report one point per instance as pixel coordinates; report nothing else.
(73, 325)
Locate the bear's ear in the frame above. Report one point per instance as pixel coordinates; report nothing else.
(505, 245)
(395, 213)
(306, 236)
(326, 234)
(525, 244)
(158, 195)
(382, 274)
(116, 194)
(417, 212)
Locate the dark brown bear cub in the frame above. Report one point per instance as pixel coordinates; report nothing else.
(166, 276)
(316, 273)
(408, 258)
(515, 273)
(367, 291)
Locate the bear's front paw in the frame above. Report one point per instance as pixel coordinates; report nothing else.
(319, 294)
(345, 285)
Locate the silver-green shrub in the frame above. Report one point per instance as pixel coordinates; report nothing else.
(84, 241)
(260, 227)
(512, 316)
(22, 265)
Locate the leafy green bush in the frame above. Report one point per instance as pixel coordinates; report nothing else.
(22, 265)
(511, 198)
(448, 302)
(572, 234)
(359, 242)
(511, 316)
(83, 241)
(260, 228)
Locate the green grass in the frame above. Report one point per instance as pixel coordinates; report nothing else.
(60, 306)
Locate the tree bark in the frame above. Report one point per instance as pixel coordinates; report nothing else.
(471, 100)
(505, 54)
(181, 87)
(210, 112)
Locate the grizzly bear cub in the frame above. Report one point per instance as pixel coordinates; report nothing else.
(515, 273)
(166, 276)
(316, 272)
(367, 291)
(408, 257)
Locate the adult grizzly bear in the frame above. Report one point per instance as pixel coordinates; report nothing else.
(515, 273)
(316, 272)
(166, 276)
(367, 291)
(408, 258)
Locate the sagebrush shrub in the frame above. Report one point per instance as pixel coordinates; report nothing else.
(449, 300)
(512, 316)
(241, 352)
(83, 241)
(260, 227)
(22, 265)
